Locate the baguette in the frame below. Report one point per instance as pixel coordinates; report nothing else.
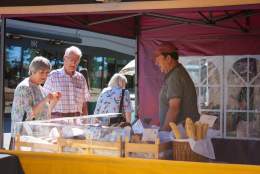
(189, 127)
(205, 129)
(198, 130)
(196, 125)
(175, 130)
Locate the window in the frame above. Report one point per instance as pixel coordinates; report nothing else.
(229, 88)
(242, 97)
(206, 75)
(101, 71)
(13, 65)
(101, 64)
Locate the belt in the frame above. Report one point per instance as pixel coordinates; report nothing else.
(59, 114)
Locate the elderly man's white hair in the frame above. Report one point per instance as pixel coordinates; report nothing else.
(74, 50)
(115, 79)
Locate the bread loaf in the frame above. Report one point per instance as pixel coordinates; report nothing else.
(175, 130)
(199, 131)
(205, 130)
(189, 127)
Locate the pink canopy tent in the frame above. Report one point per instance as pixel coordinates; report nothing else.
(229, 30)
(231, 36)
(196, 27)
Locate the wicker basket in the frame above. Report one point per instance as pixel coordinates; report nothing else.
(183, 152)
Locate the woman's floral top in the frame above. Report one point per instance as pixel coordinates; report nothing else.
(26, 95)
(109, 101)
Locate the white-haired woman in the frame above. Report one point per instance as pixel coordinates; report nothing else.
(110, 97)
(30, 101)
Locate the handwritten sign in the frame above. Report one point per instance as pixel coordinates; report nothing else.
(208, 119)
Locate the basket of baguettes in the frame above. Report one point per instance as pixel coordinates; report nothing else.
(181, 147)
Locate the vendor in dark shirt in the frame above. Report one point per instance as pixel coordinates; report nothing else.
(178, 98)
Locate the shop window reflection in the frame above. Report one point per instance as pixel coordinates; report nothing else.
(13, 65)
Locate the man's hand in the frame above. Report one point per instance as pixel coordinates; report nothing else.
(172, 113)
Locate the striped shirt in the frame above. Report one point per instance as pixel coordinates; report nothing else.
(74, 90)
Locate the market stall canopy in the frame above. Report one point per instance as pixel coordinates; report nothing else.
(125, 18)
(128, 69)
(197, 27)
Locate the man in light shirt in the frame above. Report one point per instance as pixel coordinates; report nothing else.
(71, 84)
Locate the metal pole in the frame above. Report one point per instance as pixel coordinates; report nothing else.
(137, 34)
(2, 62)
(114, 19)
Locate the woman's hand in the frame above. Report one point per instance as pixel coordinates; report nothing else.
(54, 97)
(51, 98)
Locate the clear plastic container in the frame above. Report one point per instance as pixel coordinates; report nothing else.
(84, 134)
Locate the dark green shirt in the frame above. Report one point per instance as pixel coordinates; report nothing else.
(178, 84)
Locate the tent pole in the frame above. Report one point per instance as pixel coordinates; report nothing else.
(162, 27)
(137, 35)
(190, 21)
(2, 62)
(114, 19)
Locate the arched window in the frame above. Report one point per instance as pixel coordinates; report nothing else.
(243, 97)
